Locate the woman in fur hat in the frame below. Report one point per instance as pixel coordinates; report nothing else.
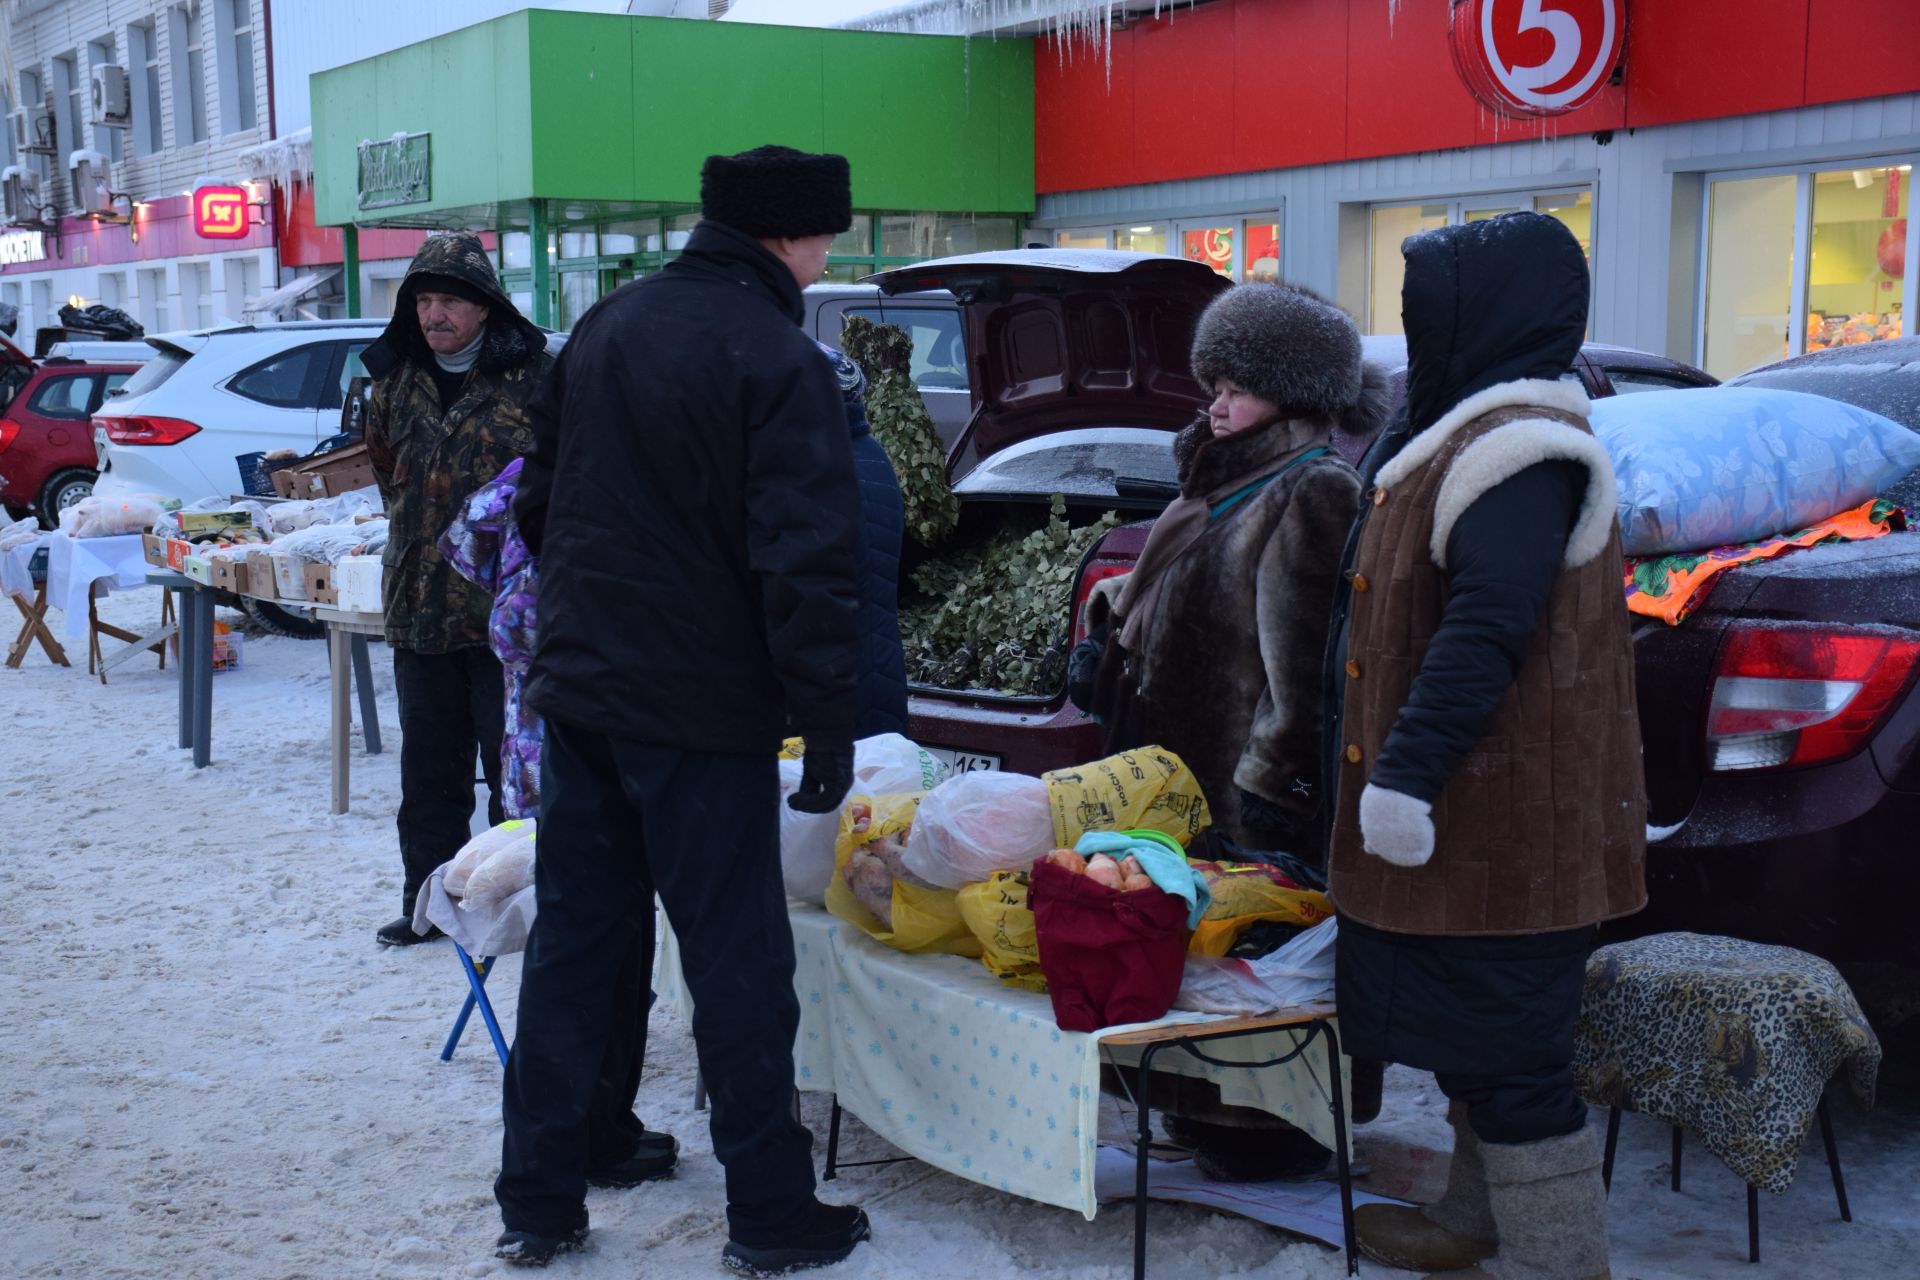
(1212, 647)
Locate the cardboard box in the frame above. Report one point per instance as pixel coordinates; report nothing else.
(326, 476)
(319, 584)
(260, 583)
(356, 582)
(230, 574)
(177, 553)
(154, 547)
(199, 569)
(289, 576)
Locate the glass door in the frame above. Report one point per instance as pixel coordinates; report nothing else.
(1212, 243)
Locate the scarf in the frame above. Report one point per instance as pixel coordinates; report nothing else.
(462, 360)
(1217, 478)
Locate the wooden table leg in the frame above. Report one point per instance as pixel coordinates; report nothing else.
(35, 628)
(341, 688)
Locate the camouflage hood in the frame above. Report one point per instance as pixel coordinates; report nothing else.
(512, 339)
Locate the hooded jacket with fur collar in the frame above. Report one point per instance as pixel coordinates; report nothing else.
(1227, 672)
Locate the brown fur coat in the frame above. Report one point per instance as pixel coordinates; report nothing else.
(1229, 670)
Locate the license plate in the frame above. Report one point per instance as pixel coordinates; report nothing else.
(965, 761)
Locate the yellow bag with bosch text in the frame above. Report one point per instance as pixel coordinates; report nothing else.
(1150, 788)
(996, 912)
(1246, 893)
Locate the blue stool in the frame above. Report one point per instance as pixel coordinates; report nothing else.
(476, 971)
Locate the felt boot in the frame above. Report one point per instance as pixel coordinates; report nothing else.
(1455, 1231)
(1549, 1208)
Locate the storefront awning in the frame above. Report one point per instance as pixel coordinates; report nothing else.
(278, 303)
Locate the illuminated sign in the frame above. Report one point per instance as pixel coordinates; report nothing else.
(1531, 58)
(396, 171)
(22, 246)
(220, 213)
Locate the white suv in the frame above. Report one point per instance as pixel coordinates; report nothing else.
(211, 395)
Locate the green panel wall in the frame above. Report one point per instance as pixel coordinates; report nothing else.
(470, 89)
(605, 107)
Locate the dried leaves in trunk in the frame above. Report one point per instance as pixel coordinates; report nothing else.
(904, 429)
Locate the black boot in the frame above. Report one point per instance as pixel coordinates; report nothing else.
(400, 934)
(654, 1157)
(824, 1235)
(531, 1249)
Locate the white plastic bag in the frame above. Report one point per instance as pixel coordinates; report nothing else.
(887, 764)
(978, 823)
(483, 846)
(1301, 971)
(1222, 984)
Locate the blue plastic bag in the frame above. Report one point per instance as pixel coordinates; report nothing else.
(1720, 466)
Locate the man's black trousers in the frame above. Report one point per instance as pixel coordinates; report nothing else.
(452, 705)
(620, 822)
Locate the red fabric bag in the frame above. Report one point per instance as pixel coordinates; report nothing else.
(1109, 957)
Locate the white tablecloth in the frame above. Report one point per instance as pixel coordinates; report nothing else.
(15, 580)
(942, 1060)
(74, 565)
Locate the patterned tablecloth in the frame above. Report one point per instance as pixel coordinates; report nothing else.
(939, 1058)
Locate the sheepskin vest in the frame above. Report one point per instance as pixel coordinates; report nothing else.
(1229, 672)
(1542, 827)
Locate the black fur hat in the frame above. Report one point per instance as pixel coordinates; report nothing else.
(1285, 344)
(773, 192)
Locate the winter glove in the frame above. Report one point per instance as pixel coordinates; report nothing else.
(1396, 827)
(826, 775)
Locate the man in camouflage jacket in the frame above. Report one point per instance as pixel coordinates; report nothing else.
(452, 376)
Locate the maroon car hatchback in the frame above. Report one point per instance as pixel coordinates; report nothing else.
(46, 436)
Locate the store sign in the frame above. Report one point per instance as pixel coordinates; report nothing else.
(1533, 58)
(396, 171)
(220, 213)
(17, 247)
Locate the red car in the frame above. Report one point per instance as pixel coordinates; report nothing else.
(1781, 733)
(46, 436)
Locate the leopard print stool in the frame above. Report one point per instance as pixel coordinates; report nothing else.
(1731, 1040)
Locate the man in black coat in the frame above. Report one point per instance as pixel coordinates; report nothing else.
(691, 496)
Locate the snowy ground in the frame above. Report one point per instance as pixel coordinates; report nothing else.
(210, 1070)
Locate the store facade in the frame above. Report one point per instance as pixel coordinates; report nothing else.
(1742, 185)
(580, 155)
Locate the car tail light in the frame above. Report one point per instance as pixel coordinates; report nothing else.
(149, 430)
(8, 430)
(1784, 697)
(1092, 576)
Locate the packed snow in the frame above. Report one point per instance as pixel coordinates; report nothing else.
(212, 1071)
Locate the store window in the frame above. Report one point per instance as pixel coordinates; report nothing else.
(579, 244)
(1259, 251)
(1083, 238)
(1803, 261)
(189, 75)
(579, 290)
(196, 294)
(143, 73)
(920, 236)
(1146, 237)
(1856, 284)
(70, 90)
(233, 29)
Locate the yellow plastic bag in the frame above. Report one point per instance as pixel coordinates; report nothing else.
(923, 919)
(1244, 894)
(1149, 788)
(997, 914)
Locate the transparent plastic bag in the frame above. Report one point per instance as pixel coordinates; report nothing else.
(483, 846)
(887, 764)
(978, 823)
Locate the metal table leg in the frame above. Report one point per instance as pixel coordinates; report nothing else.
(341, 688)
(201, 603)
(363, 681)
(189, 669)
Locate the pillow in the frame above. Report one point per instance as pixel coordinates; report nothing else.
(1720, 466)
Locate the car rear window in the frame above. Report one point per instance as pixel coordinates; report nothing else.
(1892, 391)
(154, 372)
(1628, 381)
(939, 360)
(284, 380)
(65, 396)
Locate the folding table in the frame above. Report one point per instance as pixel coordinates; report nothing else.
(34, 614)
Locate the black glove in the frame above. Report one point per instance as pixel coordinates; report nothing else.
(826, 775)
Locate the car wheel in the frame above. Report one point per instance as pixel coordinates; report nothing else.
(283, 622)
(62, 490)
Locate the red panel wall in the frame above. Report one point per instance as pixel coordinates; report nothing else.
(1709, 58)
(302, 244)
(1294, 82)
(1289, 74)
(1862, 49)
(1183, 92)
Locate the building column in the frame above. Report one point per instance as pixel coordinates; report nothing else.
(350, 269)
(542, 266)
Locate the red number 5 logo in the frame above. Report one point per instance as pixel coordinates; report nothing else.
(1537, 57)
